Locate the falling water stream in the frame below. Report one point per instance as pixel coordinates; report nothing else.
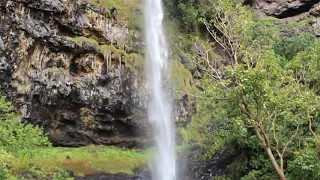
(159, 111)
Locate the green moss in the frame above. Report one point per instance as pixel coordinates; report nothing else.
(135, 63)
(120, 42)
(182, 46)
(182, 80)
(108, 50)
(125, 10)
(21, 88)
(81, 39)
(138, 22)
(134, 45)
(86, 117)
(53, 70)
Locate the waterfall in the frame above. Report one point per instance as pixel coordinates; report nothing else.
(159, 109)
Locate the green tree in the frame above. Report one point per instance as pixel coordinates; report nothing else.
(265, 99)
(230, 27)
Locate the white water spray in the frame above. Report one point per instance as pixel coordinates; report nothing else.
(159, 111)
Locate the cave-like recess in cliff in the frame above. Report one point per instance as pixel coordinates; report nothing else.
(302, 9)
(248, 2)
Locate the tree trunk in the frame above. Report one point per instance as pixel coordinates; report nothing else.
(274, 163)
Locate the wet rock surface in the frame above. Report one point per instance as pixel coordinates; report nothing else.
(71, 69)
(193, 166)
(104, 176)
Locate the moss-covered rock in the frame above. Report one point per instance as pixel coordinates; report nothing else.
(125, 12)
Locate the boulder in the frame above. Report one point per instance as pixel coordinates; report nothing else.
(315, 10)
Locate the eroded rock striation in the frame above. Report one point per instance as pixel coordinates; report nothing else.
(77, 70)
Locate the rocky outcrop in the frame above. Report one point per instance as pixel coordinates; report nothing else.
(77, 70)
(315, 10)
(283, 8)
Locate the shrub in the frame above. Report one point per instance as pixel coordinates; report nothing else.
(6, 109)
(3, 171)
(14, 136)
(306, 164)
(288, 47)
(6, 173)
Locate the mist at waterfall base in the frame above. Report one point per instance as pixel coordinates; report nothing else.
(163, 166)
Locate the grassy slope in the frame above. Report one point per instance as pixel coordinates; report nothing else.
(82, 161)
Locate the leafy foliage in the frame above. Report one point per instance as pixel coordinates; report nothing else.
(14, 136)
(6, 109)
(3, 171)
(305, 165)
(288, 47)
(189, 13)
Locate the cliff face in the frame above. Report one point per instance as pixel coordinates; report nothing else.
(72, 68)
(77, 69)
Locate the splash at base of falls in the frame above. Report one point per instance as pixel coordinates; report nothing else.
(159, 111)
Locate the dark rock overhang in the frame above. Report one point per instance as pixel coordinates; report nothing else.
(290, 12)
(282, 9)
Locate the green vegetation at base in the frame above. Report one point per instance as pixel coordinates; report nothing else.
(82, 161)
(15, 136)
(24, 148)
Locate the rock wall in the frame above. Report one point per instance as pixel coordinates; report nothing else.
(76, 70)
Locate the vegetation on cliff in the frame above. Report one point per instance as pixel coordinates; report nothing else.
(260, 104)
(124, 12)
